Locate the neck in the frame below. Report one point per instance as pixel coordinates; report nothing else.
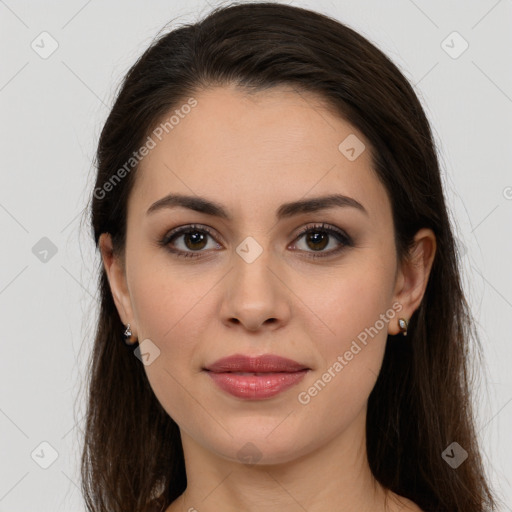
(337, 472)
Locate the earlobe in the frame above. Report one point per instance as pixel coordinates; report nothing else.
(117, 278)
(414, 274)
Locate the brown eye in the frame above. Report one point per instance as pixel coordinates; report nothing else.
(194, 240)
(317, 238)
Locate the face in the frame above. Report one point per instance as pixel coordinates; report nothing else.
(253, 282)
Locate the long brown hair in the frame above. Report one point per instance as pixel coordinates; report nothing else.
(132, 457)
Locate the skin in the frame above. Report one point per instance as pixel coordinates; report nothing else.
(251, 153)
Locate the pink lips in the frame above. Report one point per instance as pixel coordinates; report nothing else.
(256, 377)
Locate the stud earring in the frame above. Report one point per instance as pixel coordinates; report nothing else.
(402, 323)
(128, 338)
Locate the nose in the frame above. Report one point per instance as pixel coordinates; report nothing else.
(254, 295)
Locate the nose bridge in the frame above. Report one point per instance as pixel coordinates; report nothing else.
(254, 292)
(252, 260)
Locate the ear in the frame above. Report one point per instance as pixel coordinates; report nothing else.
(412, 276)
(116, 275)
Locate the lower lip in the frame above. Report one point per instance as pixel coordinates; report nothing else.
(256, 387)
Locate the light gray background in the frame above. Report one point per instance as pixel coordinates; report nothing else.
(52, 111)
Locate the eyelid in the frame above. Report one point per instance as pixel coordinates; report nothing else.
(186, 228)
(322, 226)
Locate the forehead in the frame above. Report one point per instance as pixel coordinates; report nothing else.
(262, 148)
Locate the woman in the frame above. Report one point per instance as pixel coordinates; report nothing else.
(277, 254)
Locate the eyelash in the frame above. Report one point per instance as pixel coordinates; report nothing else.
(344, 239)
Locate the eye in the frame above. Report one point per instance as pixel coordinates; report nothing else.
(194, 240)
(318, 238)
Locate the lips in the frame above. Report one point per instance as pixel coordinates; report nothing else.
(267, 363)
(255, 378)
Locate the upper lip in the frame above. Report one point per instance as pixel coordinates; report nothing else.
(266, 363)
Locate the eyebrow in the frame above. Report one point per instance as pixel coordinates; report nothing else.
(286, 210)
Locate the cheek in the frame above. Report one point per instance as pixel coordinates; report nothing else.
(170, 308)
(338, 390)
(350, 299)
(167, 296)
(355, 312)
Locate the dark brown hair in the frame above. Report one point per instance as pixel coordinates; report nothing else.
(132, 457)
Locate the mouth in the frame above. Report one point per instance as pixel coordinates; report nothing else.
(255, 378)
(255, 365)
